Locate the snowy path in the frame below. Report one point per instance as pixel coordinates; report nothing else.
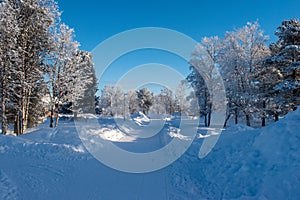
(246, 163)
(53, 164)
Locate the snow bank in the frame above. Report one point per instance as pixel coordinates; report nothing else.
(246, 163)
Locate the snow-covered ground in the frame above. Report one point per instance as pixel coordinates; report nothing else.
(246, 163)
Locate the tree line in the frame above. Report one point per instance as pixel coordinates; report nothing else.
(262, 82)
(113, 101)
(43, 71)
(41, 65)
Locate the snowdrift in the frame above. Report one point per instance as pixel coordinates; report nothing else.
(140, 119)
(246, 163)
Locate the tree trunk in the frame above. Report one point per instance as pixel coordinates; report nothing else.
(205, 120)
(4, 118)
(248, 119)
(51, 116)
(16, 131)
(3, 101)
(22, 90)
(263, 117)
(17, 124)
(263, 121)
(26, 112)
(209, 114)
(23, 114)
(226, 120)
(209, 118)
(236, 116)
(75, 114)
(56, 121)
(276, 117)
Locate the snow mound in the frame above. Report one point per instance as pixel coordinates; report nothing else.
(175, 133)
(238, 128)
(246, 163)
(140, 119)
(114, 135)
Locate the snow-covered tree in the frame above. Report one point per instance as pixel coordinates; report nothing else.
(181, 103)
(132, 101)
(43, 12)
(145, 99)
(112, 100)
(61, 57)
(70, 73)
(105, 100)
(202, 93)
(167, 98)
(194, 105)
(237, 56)
(31, 42)
(117, 101)
(158, 106)
(281, 86)
(86, 67)
(38, 51)
(242, 54)
(82, 84)
(8, 55)
(204, 58)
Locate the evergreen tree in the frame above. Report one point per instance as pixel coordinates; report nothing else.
(283, 92)
(82, 84)
(145, 100)
(87, 102)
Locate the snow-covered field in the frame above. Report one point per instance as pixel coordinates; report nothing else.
(246, 163)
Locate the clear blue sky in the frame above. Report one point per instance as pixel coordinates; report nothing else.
(96, 20)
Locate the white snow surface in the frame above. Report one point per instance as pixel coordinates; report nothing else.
(246, 163)
(140, 118)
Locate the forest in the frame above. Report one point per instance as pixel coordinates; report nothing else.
(261, 80)
(44, 73)
(42, 67)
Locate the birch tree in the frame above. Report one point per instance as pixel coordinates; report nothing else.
(8, 56)
(202, 74)
(71, 73)
(242, 54)
(32, 20)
